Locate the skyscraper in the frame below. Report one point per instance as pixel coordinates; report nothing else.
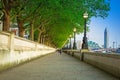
(105, 38)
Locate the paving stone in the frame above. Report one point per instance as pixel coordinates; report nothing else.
(56, 67)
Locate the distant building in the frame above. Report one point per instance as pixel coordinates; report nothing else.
(118, 50)
(105, 38)
(14, 28)
(93, 45)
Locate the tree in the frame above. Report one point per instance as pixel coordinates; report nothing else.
(54, 18)
(70, 13)
(6, 6)
(24, 12)
(65, 14)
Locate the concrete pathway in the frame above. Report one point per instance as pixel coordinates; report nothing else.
(55, 67)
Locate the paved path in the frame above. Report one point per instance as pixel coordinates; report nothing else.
(55, 67)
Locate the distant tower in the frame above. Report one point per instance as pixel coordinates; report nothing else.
(113, 45)
(105, 38)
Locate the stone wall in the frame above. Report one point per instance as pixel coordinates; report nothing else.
(15, 50)
(107, 62)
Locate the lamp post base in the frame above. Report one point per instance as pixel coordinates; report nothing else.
(74, 46)
(84, 44)
(84, 50)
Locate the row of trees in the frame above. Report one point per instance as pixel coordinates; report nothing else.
(52, 20)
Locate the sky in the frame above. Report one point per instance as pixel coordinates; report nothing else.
(112, 23)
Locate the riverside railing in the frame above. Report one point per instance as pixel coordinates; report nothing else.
(105, 61)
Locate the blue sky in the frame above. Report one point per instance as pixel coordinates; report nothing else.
(112, 23)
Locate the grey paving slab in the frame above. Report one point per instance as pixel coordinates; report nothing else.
(55, 67)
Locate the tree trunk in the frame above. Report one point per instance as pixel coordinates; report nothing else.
(21, 27)
(6, 18)
(32, 31)
(6, 22)
(39, 37)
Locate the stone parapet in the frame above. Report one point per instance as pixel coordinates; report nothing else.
(107, 62)
(15, 50)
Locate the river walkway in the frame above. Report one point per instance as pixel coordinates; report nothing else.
(55, 67)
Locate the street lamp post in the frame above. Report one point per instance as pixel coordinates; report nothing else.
(67, 43)
(85, 44)
(74, 43)
(70, 41)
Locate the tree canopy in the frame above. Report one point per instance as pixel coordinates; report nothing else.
(53, 20)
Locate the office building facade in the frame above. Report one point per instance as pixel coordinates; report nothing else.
(105, 38)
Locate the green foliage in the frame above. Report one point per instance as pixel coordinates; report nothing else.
(70, 15)
(58, 17)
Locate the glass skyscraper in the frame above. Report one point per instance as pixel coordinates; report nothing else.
(105, 38)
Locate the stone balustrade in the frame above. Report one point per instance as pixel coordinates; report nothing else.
(15, 50)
